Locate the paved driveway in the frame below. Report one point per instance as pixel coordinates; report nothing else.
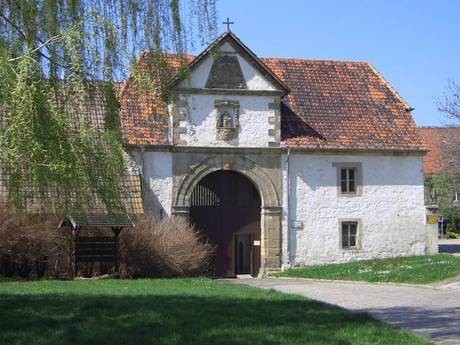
(432, 311)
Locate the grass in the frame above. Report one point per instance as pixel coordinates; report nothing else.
(413, 269)
(181, 311)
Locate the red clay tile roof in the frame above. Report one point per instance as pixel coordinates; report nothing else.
(143, 114)
(339, 104)
(332, 105)
(444, 146)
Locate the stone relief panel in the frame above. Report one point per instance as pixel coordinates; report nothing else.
(227, 121)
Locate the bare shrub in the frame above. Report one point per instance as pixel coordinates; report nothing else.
(32, 245)
(163, 248)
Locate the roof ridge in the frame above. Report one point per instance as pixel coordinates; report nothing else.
(441, 127)
(146, 52)
(315, 59)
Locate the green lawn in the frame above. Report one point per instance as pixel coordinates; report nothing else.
(182, 311)
(414, 269)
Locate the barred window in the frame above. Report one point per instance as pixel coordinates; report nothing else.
(349, 235)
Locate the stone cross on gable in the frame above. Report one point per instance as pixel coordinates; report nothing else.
(228, 22)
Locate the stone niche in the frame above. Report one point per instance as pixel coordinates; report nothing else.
(227, 119)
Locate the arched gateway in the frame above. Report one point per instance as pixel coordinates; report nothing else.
(258, 175)
(225, 207)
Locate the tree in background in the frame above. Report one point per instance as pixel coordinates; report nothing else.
(448, 184)
(450, 105)
(60, 61)
(441, 189)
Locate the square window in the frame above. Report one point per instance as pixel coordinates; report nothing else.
(349, 178)
(349, 235)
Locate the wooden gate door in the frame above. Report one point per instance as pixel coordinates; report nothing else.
(225, 206)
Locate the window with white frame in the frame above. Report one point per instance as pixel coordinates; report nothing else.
(349, 234)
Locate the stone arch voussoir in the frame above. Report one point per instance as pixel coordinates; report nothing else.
(242, 165)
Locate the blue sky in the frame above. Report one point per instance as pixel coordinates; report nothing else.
(415, 44)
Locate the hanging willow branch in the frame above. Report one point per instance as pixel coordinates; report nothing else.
(60, 63)
(50, 41)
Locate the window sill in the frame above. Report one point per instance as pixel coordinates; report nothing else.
(349, 195)
(352, 250)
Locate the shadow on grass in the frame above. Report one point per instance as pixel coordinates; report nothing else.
(182, 319)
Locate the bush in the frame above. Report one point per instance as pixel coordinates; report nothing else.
(32, 245)
(163, 248)
(453, 235)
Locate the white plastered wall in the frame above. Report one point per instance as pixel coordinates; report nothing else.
(201, 116)
(391, 209)
(157, 185)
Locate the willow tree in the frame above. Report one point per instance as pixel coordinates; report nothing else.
(60, 64)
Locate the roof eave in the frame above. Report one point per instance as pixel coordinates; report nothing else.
(418, 151)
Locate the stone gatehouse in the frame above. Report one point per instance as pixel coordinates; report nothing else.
(280, 162)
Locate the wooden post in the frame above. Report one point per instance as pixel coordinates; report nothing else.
(74, 252)
(116, 231)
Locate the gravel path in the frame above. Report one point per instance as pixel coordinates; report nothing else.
(433, 311)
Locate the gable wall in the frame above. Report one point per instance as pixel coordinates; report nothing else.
(194, 114)
(391, 209)
(254, 79)
(196, 126)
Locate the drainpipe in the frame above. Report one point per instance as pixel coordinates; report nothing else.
(141, 163)
(288, 207)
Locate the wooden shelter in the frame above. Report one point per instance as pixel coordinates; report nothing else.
(89, 249)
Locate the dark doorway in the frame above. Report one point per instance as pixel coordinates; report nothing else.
(243, 253)
(225, 207)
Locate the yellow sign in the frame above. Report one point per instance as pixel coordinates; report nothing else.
(432, 219)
